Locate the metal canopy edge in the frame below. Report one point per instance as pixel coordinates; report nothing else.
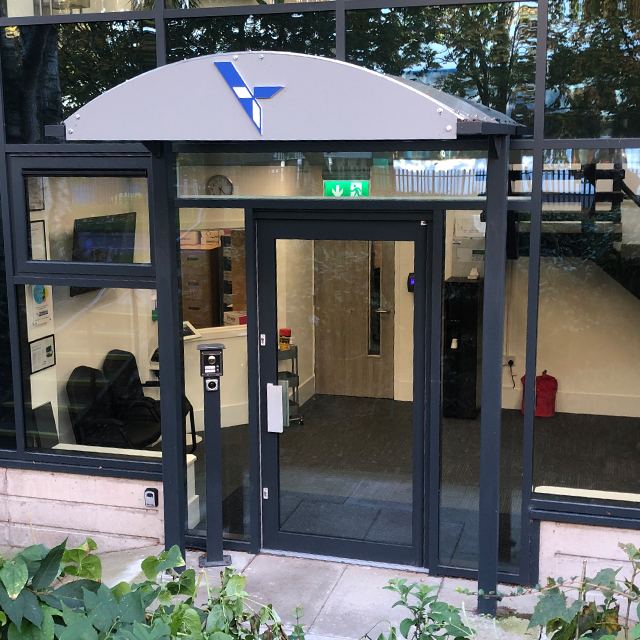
(273, 96)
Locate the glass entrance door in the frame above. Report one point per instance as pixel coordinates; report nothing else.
(341, 306)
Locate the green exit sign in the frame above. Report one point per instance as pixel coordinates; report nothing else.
(346, 188)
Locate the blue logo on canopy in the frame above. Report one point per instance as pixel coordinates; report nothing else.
(248, 99)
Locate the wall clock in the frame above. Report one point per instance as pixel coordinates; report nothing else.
(219, 185)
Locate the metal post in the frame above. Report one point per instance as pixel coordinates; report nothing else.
(492, 338)
(211, 371)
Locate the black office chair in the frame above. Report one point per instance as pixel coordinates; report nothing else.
(94, 420)
(127, 391)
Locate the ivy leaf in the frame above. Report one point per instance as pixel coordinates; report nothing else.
(120, 590)
(131, 608)
(149, 566)
(101, 607)
(26, 605)
(49, 568)
(81, 629)
(29, 631)
(216, 620)
(32, 556)
(70, 594)
(552, 606)
(606, 580)
(14, 576)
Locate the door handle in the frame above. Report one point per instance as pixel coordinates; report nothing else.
(275, 413)
(384, 310)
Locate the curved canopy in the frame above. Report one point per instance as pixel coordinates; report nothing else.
(274, 96)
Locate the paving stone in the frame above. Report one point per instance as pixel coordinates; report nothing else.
(288, 582)
(359, 601)
(118, 566)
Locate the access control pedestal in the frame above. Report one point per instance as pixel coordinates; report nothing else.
(211, 372)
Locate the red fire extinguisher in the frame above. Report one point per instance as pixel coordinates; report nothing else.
(546, 392)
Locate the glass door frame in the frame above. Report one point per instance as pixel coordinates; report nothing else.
(346, 225)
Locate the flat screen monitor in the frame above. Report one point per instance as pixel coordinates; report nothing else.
(106, 239)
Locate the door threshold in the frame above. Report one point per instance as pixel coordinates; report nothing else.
(362, 563)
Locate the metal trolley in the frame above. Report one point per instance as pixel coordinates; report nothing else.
(292, 379)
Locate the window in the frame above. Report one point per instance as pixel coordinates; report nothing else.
(446, 47)
(588, 340)
(88, 218)
(49, 71)
(593, 77)
(91, 374)
(214, 309)
(295, 174)
(310, 32)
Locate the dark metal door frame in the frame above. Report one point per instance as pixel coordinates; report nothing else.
(345, 225)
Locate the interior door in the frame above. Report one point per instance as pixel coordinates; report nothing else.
(354, 303)
(342, 360)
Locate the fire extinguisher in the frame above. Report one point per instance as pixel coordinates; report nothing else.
(546, 392)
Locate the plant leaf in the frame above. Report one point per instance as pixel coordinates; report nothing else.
(49, 568)
(405, 627)
(14, 576)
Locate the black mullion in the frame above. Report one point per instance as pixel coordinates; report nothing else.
(387, 4)
(12, 303)
(64, 280)
(254, 385)
(590, 143)
(79, 149)
(532, 296)
(341, 30)
(491, 394)
(61, 464)
(170, 344)
(435, 368)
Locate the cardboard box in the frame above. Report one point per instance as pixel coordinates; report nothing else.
(190, 237)
(210, 238)
(235, 318)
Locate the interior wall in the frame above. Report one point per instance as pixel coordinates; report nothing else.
(587, 337)
(295, 286)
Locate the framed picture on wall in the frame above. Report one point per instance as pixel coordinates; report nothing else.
(35, 191)
(38, 240)
(43, 353)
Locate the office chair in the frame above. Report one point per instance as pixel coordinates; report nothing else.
(94, 419)
(127, 391)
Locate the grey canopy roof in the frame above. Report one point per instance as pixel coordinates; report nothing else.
(253, 96)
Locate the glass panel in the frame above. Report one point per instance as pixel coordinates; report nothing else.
(376, 307)
(461, 369)
(447, 46)
(19, 8)
(388, 174)
(592, 69)
(310, 32)
(49, 71)
(7, 417)
(588, 401)
(346, 452)
(88, 218)
(214, 309)
(90, 377)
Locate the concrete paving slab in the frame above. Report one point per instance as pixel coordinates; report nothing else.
(287, 582)
(118, 566)
(239, 559)
(448, 593)
(359, 601)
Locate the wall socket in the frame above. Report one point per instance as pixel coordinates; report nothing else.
(505, 360)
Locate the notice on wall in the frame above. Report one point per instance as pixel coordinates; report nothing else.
(38, 240)
(39, 304)
(43, 353)
(469, 226)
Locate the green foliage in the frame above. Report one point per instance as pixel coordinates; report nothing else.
(298, 627)
(429, 618)
(57, 594)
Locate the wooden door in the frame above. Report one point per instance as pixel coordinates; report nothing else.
(354, 307)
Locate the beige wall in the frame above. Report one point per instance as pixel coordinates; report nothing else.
(295, 284)
(53, 506)
(588, 337)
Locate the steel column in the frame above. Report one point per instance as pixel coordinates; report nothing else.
(170, 344)
(492, 339)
